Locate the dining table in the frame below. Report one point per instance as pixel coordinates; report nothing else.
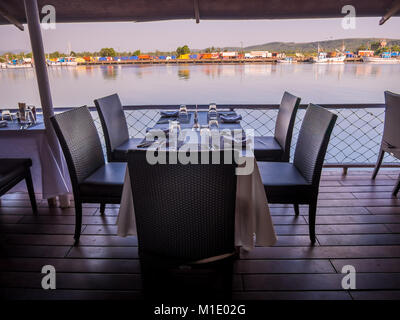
(24, 140)
(253, 223)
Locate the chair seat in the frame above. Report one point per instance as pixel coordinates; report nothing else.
(12, 168)
(283, 181)
(280, 174)
(267, 149)
(106, 181)
(120, 152)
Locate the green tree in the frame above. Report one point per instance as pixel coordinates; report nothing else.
(107, 52)
(395, 48)
(362, 47)
(137, 53)
(182, 50)
(375, 46)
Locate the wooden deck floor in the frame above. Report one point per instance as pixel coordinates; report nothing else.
(358, 223)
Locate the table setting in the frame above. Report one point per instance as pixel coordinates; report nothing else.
(253, 224)
(23, 135)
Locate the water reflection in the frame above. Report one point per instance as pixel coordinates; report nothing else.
(110, 72)
(222, 83)
(183, 74)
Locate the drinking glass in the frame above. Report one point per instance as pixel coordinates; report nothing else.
(213, 124)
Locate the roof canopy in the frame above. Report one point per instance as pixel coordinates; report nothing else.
(151, 10)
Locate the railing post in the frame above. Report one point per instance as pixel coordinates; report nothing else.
(35, 35)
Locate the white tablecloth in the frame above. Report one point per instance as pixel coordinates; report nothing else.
(253, 224)
(48, 178)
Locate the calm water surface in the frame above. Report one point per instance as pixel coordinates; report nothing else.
(189, 84)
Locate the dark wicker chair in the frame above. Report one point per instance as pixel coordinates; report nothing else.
(185, 215)
(277, 148)
(115, 128)
(391, 133)
(93, 180)
(12, 171)
(298, 182)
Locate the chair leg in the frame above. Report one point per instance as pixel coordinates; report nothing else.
(296, 209)
(312, 211)
(102, 208)
(378, 163)
(396, 188)
(31, 191)
(78, 220)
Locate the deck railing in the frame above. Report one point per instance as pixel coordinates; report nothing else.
(355, 140)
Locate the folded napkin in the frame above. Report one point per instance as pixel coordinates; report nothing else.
(3, 123)
(231, 119)
(168, 114)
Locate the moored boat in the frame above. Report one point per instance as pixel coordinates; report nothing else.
(381, 60)
(323, 57)
(286, 60)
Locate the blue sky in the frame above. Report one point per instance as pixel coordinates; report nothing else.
(167, 35)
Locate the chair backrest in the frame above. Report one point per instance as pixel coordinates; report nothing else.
(391, 131)
(113, 122)
(313, 141)
(80, 143)
(183, 212)
(285, 122)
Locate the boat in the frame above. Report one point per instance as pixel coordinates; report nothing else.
(383, 59)
(18, 66)
(52, 63)
(286, 60)
(323, 57)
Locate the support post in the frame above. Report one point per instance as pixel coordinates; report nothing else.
(35, 35)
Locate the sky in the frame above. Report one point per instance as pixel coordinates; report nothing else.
(168, 35)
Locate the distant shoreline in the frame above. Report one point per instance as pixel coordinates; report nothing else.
(203, 61)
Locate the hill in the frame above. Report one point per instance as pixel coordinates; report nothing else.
(328, 45)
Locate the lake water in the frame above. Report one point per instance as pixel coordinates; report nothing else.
(202, 84)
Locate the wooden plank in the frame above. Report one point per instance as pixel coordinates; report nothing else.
(345, 189)
(384, 210)
(34, 251)
(283, 266)
(368, 265)
(336, 195)
(80, 281)
(43, 211)
(40, 294)
(104, 252)
(293, 241)
(376, 295)
(292, 220)
(332, 229)
(365, 281)
(292, 295)
(322, 252)
(103, 220)
(359, 240)
(356, 219)
(394, 227)
(72, 265)
(321, 211)
(11, 219)
(37, 228)
(100, 229)
(360, 203)
(374, 195)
